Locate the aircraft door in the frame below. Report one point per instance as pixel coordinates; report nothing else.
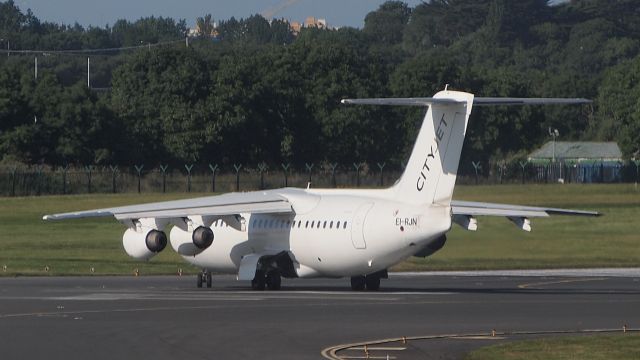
(357, 226)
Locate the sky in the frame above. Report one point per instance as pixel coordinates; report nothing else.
(102, 12)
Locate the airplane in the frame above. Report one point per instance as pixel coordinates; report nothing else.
(263, 236)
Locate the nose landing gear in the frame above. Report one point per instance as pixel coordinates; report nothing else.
(204, 278)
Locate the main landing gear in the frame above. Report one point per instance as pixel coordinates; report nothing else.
(270, 279)
(204, 277)
(371, 282)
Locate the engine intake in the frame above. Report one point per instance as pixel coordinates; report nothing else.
(143, 245)
(191, 243)
(156, 241)
(202, 237)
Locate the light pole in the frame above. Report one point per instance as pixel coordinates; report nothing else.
(554, 133)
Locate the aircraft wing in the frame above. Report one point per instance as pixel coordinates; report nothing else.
(227, 204)
(464, 213)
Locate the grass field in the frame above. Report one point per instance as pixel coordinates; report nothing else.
(604, 347)
(28, 244)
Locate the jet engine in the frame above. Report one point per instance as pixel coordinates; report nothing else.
(190, 243)
(143, 245)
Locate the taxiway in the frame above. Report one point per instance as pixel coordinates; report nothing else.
(168, 318)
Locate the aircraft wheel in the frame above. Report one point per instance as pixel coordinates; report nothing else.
(372, 282)
(357, 283)
(258, 281)
(209, 279)
(273, 280)
(199, 280)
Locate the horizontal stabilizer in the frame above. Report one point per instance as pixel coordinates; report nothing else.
(492, 101)
(403, 101)
(477, 101)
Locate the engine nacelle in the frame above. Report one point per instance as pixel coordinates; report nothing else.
(190, 243)
(431, 247)
(144, 244)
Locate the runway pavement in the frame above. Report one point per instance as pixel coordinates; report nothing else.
(169, 318)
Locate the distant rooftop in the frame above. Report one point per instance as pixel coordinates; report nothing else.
(579, 150)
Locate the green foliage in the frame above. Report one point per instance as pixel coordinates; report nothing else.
(594, 347)
(250, 91)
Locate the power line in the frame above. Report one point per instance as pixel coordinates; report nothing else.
(89, 51)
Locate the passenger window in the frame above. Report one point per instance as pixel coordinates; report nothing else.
(345, 225)
(313, 222)
(331, 225)
(324, 225)
(338, 225)
(307, 224)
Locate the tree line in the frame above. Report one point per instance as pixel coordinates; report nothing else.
(256, 92)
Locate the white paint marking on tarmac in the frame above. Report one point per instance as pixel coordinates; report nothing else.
(378, 348)
(245, 296)
(567, 281)
(598, 272)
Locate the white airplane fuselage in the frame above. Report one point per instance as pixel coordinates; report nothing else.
(333, 233)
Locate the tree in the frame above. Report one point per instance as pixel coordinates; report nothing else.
(386, 25)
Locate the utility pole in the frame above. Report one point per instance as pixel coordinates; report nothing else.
(35, 68)
(88, 73)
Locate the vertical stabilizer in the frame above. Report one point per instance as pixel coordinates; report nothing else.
(431, 172)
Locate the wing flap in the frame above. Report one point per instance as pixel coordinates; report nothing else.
(233, 203)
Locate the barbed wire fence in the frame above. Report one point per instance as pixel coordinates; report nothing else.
(37, 180)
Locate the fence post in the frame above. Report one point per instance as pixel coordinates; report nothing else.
(285, 167)
(237, 169)
(14, 171)
(333, 167)
(139, 171)
(188, 168)
(114, 171)
(262, 167)
(476, 167)
(88, 169)
(213, 169)
(65, 169)
(39, 170)
(502, 167)
(357, 167)
(637, 162)
(381, 167)
(309, 168)
(523, 165)
(163, 169)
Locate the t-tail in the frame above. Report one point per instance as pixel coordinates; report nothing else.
(430, 175)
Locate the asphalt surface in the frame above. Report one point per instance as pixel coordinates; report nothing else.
(169, 318)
